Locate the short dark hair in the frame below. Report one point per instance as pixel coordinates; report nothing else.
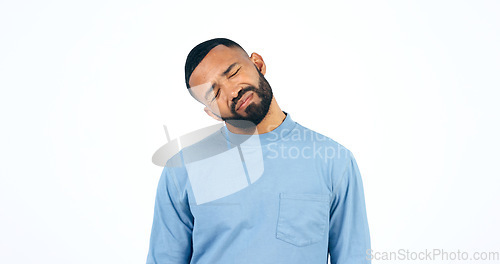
(198, 53)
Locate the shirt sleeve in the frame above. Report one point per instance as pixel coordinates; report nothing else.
(170, 241)
(349, 237)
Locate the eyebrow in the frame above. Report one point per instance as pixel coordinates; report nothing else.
(222, 74)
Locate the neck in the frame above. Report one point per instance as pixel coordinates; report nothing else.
(272, 120)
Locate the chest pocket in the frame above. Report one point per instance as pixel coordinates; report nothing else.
(303, 218)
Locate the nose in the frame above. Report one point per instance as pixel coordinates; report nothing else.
(232, 90)
(235, 92)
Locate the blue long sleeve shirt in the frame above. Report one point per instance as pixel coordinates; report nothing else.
(287, 196)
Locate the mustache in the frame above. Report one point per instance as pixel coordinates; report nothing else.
(242, 92)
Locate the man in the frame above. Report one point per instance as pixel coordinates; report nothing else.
(261, 190)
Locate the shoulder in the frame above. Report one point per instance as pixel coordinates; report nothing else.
(183, 151)
(207, 146)
(332, 158)
(330, 146)
(175, 174)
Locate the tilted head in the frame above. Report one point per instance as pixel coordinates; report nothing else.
(231, 84)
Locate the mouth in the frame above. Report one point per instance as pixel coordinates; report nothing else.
(244, 101)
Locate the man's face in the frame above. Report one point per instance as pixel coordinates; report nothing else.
(232, 87)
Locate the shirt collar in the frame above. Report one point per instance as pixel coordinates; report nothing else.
(280, 132)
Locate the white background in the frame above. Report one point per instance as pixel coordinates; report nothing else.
(410, 87)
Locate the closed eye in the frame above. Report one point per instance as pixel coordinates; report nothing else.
(234, 73)
(216, 95)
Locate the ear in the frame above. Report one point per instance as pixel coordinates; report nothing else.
(212, 114)
(259, 62)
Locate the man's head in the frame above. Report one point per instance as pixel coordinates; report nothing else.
(221, 75)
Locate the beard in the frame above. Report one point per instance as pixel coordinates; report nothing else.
(255, 111)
